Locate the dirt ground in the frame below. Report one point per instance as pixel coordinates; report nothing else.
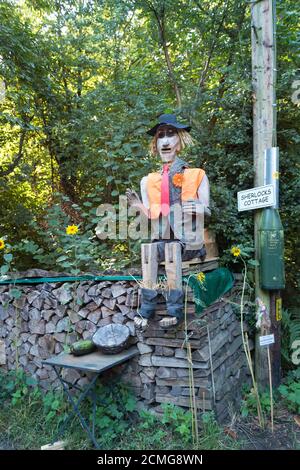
(286, 434)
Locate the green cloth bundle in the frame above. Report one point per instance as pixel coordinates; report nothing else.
(215, 284)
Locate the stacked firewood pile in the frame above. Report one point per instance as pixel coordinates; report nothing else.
(218, 361)
(50, 316)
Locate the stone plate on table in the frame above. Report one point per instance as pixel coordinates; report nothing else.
(112, 339)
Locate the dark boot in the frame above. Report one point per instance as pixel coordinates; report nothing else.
(148, 303)
(174, 300)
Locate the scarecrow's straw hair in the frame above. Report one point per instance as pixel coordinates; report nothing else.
(184, 137)
(160, 284)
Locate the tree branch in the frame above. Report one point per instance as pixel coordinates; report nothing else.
(210, 54)
(17, 157)
(160, 18)
(233, 36)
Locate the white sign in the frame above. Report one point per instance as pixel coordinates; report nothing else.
(266, 340)
(255, 198)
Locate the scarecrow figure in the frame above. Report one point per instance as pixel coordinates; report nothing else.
(175, 200)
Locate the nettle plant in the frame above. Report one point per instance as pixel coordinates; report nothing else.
(290, 390)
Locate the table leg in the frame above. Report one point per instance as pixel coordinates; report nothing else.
(76, 409)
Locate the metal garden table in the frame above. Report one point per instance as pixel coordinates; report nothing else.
(96, 363)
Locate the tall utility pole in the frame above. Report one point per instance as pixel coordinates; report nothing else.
(263, 37)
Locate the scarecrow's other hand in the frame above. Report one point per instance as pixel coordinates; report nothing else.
(192, 206)
(132, 198)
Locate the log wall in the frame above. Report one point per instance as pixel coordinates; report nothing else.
(50, 316)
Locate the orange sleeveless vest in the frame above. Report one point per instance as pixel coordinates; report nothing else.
(192, 178)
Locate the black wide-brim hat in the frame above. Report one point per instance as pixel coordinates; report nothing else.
(170, 120)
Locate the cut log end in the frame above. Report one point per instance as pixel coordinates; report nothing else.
(59, 445)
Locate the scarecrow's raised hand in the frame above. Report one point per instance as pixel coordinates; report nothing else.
(133, 198)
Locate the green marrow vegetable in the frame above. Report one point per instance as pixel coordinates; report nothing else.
(82, 347)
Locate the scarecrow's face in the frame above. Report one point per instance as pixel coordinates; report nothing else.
(167, 143)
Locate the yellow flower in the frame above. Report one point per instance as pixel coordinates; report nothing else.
(235, 251)
(2, 244)
(201, 277)
(71, 229)
(119, 248)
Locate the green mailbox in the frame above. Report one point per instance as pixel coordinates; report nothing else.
(271, 249)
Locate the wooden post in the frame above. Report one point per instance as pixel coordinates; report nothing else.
(271, 388)
(149, 265)
(264, 136)
(173, 265)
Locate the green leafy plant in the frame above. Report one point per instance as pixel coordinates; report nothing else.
(55, 407)
(59, 248)
(290, 390)
(179, 420)
(211, 432)
(84, 88)
(113, 410)
(61, 245)
(16, 386)
(7, 258)
(115, 404)
(30, 417)
(249, 402)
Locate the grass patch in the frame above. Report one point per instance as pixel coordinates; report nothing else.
(30, 418)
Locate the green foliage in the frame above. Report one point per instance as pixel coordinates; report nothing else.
(84, 81)
(19, 390)
(249, 402)
(6, 257)
(174, 430)
(211, 436)
(113, 411)
(287, 394)
(290, 325)
(55, 249)
(15, 386)
(290, 390)
(179, 420)
(30, 417)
